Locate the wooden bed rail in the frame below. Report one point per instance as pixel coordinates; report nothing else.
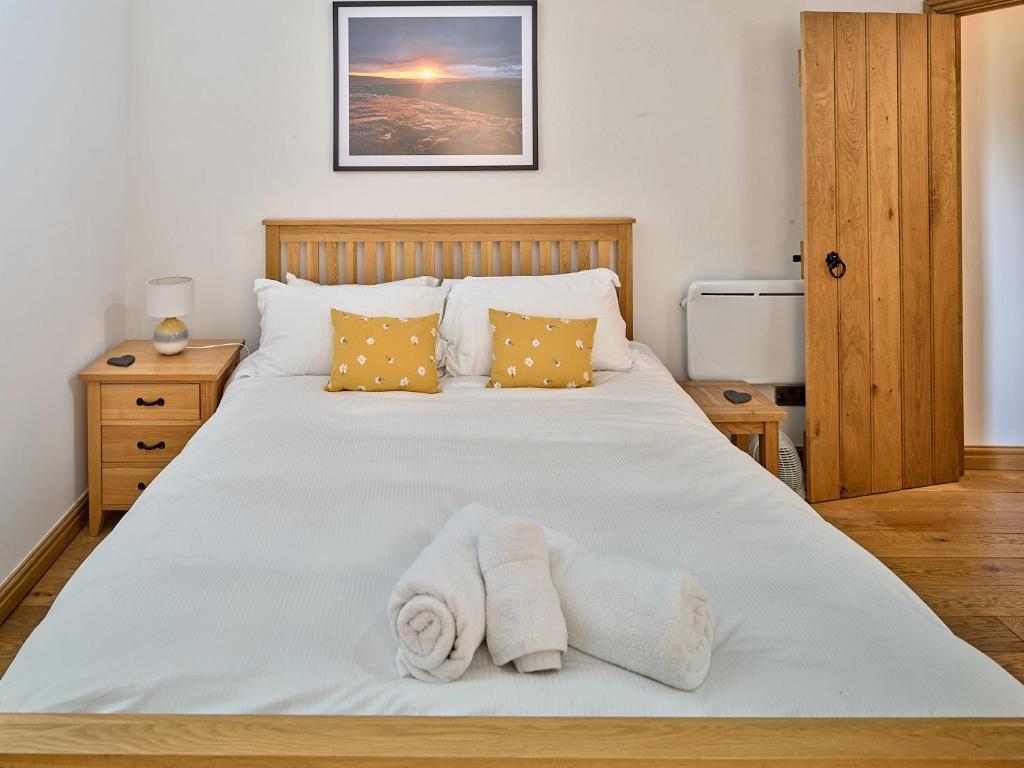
(332, 251)
(160, 741)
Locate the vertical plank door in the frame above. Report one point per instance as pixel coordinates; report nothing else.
(881, 131)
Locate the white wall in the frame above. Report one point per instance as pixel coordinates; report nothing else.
(683, 113)
(993, 209)
(63, 110)
(209, 115)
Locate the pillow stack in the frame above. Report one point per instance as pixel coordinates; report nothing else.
(550, 332)
(297, 333)
(465, 326)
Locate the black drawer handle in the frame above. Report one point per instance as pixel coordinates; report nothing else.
(154, 447)
(142, 486)
(140, 402)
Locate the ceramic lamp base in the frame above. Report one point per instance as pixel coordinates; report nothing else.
(170, 337)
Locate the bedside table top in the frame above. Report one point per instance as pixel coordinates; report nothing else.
(150, 365)
(709, 396)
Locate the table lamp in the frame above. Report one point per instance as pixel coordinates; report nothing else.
(169, 298)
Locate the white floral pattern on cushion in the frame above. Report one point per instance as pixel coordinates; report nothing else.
(372, 355)
(559, 356)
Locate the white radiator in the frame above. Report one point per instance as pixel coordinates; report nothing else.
(746, 329)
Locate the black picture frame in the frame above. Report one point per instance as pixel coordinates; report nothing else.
(531, 131)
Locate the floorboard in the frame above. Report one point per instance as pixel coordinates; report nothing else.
(46, 589)
(959, 546)
(956, 600)
(893, 542)
(984, 480)
(1011, 662)
(1015, 624)
(15, 630)
(19, 625)
(986, 633)
(980, 572)
(946, 519)
(923, 500)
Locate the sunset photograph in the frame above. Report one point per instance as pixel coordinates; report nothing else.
(440, 86)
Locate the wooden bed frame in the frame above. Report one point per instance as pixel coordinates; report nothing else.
(334, 251)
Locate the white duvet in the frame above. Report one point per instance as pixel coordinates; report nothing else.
(253, 575)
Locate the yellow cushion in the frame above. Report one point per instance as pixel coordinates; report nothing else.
(383, 354)
(548, 352)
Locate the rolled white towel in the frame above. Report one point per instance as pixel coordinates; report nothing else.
(650, 620)
(524, 620)
(437, 607)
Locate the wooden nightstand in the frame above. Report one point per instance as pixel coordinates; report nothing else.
(758, 416)
(140, 417)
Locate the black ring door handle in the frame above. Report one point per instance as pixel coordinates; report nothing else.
(154, 447)
(836, 266)
(149, 403)
(142, 486)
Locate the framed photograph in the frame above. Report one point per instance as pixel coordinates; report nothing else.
(435, 86)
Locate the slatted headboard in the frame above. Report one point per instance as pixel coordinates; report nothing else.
(332, 251)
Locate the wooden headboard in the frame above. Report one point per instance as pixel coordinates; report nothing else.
(333, 251)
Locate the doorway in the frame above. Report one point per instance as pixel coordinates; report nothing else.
(992, 99)
(882, 185)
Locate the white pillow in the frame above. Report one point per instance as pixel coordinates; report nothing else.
(447, 284)
(433, 282)
(295, 322)
(465, 327)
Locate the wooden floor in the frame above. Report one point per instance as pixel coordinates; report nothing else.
(33, 608)
(960, 547)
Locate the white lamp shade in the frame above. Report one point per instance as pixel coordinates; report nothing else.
(170, 296)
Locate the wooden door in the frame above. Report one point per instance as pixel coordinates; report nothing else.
(881, 125)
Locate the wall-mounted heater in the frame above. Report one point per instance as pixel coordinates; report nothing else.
(751, 330)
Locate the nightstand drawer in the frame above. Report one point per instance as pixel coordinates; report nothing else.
(149, 402)
(141, 416)
(122, 485)
(144, 443)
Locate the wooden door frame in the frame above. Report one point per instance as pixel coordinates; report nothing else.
(967, 7)
(981, 456)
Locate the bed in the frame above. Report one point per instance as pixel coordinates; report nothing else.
(252, 576)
